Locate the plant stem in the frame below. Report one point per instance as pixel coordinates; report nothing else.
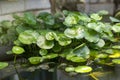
(16, 67)
(95, 78)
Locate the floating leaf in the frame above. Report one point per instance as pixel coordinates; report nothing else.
(3, 65)
(102, 56)
(116, 61)
(116, 47)
(51, 56)
(115, 55)
(83, 69)
(35, 60)
(18, 50)
(109, 51)
(69, 69)
(77, 59)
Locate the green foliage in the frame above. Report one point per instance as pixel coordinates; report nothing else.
(76, 39)
(3, 65)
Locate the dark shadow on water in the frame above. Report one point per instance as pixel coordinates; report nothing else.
(45, 75)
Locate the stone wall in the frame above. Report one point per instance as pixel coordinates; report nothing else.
(7, 7)
(96, 5)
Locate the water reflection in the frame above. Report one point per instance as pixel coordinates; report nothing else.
(45, 75)
(36, 75)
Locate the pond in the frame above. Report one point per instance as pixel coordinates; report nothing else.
(61, 75)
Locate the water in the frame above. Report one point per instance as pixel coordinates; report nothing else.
(60, 75)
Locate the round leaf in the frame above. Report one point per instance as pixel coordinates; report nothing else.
(83, 69)
(63, 40)
(17, 50)
(51, 56)
(95, 16)
(78, 59)
(91, 36)
(116, 61)
(43, 52)
(50, 35)
(28, 37)
(35, 60)
(43, 43)
(77, 32)
(69, 69)
(82, 51)
(100, 43)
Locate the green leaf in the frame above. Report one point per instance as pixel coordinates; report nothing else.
(116, 47)
(84, 18)
(102, 56)
(108, 51)
(99, 27)
(75, 32)
(63, 40)
(66, 53)
(69, 69)
(95, 16)
(116, 61)
(30, 18)
(43, 52)
(103, 12)
(35, 60)
(100, 43)
(69, 56)
(28, 37)
(43, 43)
(50, 35)
(3, 65)
(77, 59)
(116, 28)
(17, 43)
(57, 48)
(83, 69)
(6, 24)
(114, 19)
(117, 15)
(51, 56)
(20, 29)
(71, 20)
(82, 51)
(18, 50)
(91, 36)
(47, 18)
